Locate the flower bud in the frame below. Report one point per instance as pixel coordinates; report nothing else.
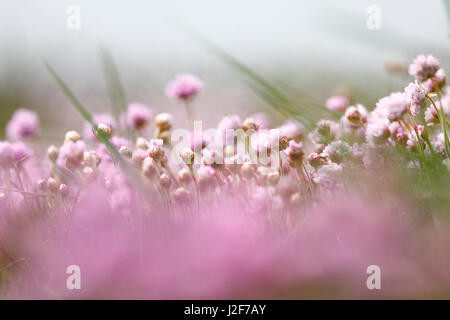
(163, 122)
(155, 149)
(105, 129)
(72, 136)
(88, 173)
(181, 195)
(91, 159)
(141, 143)
(52, 153)
(52, 185)
(165, 181)
(249, 124)
(63, 190)
(42, 184)
(125, 151)
(295, 199)
(248, 170)
(187, 156)
(184, 177)
(273, 178)
(149, 168)
(316, 160)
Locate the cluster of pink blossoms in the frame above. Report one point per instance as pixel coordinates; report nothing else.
(278, 173)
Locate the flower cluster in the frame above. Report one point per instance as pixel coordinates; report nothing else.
(270, 178)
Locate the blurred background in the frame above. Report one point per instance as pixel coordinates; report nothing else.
(316, 48)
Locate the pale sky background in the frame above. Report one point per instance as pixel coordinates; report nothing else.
(312, 45)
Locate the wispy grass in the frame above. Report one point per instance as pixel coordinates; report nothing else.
(302, 109)
(114, 86)
(132, 174)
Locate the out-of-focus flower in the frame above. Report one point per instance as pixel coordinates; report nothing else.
(71, 154)
(424, 67)
(295, 153)
(293, 130)
(355, 116)
(415, 95)
(337, 151)
(337, 103)
(23, 124)
(6, 154)
(184, 87)
(206, 176)
(21, 152)
(377, 132)
(392, 107)
(138, 115)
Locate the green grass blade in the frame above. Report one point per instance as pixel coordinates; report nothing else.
(114, 86)
(134, 177)
(69, 95)
(282, 102)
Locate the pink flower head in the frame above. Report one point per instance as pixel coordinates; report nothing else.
(392, 107)
(378, 132)
(138, 115)
(71, 154)
(293, 130)
(337, 103)
(231, 122)
(104, 118)
(206, 176)
(184, 87)
(262, 120)
(424, 67)
(6, 154)
(23, 124)
(436, 82)
(20, 152)
(415, 95)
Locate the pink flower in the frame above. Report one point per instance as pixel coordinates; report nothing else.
(184, 87)
(23, 124)
(392, 107)
(71, 154)
(415, 95)
(138, 115)
(20, 152)
(424, 67)
(337, 103)
(6, 154)
(293, 130)
(104, 118)
(377, 132)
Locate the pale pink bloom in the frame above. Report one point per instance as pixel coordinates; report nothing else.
(184, 87)
(392, 107)
(325, 132)
(354, 116)
(328, 175)
(71, 154)
(262, 120)
(424, 67)
(377, 132)
(6, 154)
(21, 152)
(23, 124)
(138, 115)
(337, 103)
(438, 143)
(293, 130)
(415, 95)
(337, 151)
